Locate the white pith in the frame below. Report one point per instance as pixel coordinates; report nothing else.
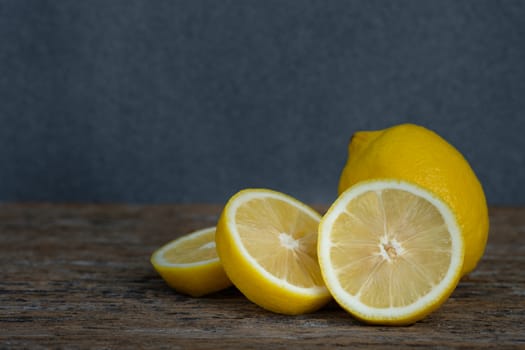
(287, 241)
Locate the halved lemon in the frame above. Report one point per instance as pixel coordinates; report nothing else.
(190, 264)
(267, 243)
(390, 251)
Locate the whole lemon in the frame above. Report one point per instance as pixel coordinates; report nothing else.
(414, 153)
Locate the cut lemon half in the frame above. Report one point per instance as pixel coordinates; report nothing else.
(390, 252)
(190, 264)
(267, 243)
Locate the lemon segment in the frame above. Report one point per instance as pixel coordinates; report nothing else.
(267, 243)
(190, 264)
(390, 251)
(416, 154)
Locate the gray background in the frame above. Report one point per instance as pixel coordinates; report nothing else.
(190, 101)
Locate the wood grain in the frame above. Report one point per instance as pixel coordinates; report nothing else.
(78, 276)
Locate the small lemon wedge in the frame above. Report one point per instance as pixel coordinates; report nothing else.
(190, 264)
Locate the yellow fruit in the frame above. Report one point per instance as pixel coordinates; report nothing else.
(416, 154)
(390, 251)
(190, 264)
(267, 242)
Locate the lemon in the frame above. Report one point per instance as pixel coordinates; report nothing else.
(416, 154)
(390, 251)
(267, 243)
(190, 264)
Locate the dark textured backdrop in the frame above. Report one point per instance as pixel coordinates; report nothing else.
(169, 101)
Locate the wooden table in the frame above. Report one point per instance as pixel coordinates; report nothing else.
(78, 276)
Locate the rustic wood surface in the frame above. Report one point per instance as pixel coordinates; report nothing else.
(78, 276)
